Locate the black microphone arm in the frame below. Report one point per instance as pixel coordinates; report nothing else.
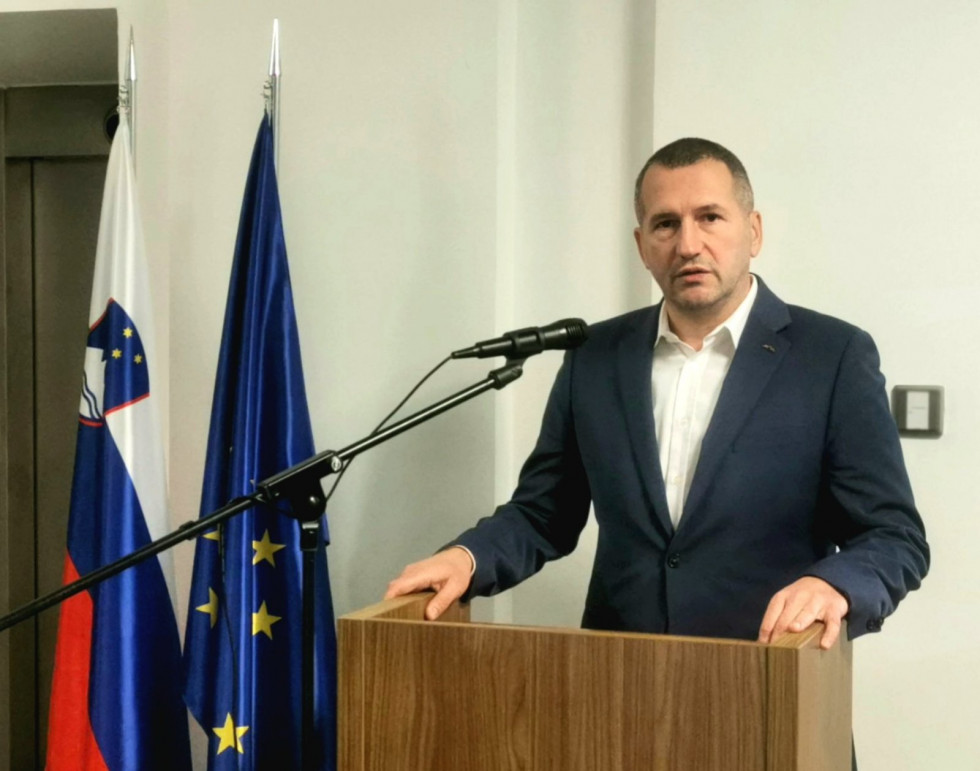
(559, 335)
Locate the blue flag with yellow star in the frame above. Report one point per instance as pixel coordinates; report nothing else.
(243, 647)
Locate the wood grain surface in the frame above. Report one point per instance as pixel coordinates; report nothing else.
(456, 696)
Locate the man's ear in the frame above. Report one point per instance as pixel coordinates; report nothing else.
(638, 237)
(755, 225)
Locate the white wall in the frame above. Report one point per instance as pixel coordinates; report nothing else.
(858, 122)
(388, 194)
(452, 170)
(582, 105)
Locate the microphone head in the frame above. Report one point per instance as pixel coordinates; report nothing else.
(573, 332)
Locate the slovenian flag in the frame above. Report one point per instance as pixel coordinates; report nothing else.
(243, 649)
(115, 700)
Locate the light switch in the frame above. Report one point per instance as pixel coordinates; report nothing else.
(918, 410)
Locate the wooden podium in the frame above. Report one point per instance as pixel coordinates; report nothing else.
(451, 695)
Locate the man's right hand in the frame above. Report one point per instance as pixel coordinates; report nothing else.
(448, 572)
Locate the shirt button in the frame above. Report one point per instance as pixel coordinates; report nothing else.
(673, 561)
(874, 624)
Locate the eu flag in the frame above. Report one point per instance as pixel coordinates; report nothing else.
(243, 647)
(115, 699)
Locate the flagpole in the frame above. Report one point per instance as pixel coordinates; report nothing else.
(272, 90)
(130, 91)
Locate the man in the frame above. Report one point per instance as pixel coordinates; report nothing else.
(745, 471)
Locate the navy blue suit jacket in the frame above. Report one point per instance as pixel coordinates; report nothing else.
(800, 473)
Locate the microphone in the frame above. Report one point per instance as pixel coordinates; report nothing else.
(559, 335)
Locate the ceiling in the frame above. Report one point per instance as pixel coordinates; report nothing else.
(47, 48)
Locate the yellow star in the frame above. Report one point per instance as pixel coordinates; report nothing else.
(138, 358)
(211, 608)
(212, 536)
(116, 353)
(128, 332)
(230, 735)
(265, 550)
(263, 621)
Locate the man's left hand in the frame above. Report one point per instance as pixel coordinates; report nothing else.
(801, 603)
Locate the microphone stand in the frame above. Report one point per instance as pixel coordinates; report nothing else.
(300, 486)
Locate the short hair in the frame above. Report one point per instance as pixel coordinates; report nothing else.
(687, 152)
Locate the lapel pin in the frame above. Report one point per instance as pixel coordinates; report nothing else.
(769, 348)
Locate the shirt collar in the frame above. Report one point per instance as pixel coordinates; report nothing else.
(735, 324)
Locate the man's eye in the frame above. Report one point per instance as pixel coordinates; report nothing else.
(712, 217)
(663, 225)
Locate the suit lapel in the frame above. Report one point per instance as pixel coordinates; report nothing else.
(760, 351)
(634, 363)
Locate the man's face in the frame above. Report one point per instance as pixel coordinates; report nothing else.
(697, 240)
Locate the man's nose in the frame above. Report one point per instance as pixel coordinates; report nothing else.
(689, 241)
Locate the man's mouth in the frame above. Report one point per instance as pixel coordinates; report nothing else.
(691, 273)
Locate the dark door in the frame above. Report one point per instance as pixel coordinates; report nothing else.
(51, 218)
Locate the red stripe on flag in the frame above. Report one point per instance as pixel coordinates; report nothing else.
(71, 742)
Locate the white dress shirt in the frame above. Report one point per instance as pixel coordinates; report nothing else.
(686, 386)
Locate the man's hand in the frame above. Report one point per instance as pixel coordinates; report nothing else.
(801, 603)
(448, 572)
